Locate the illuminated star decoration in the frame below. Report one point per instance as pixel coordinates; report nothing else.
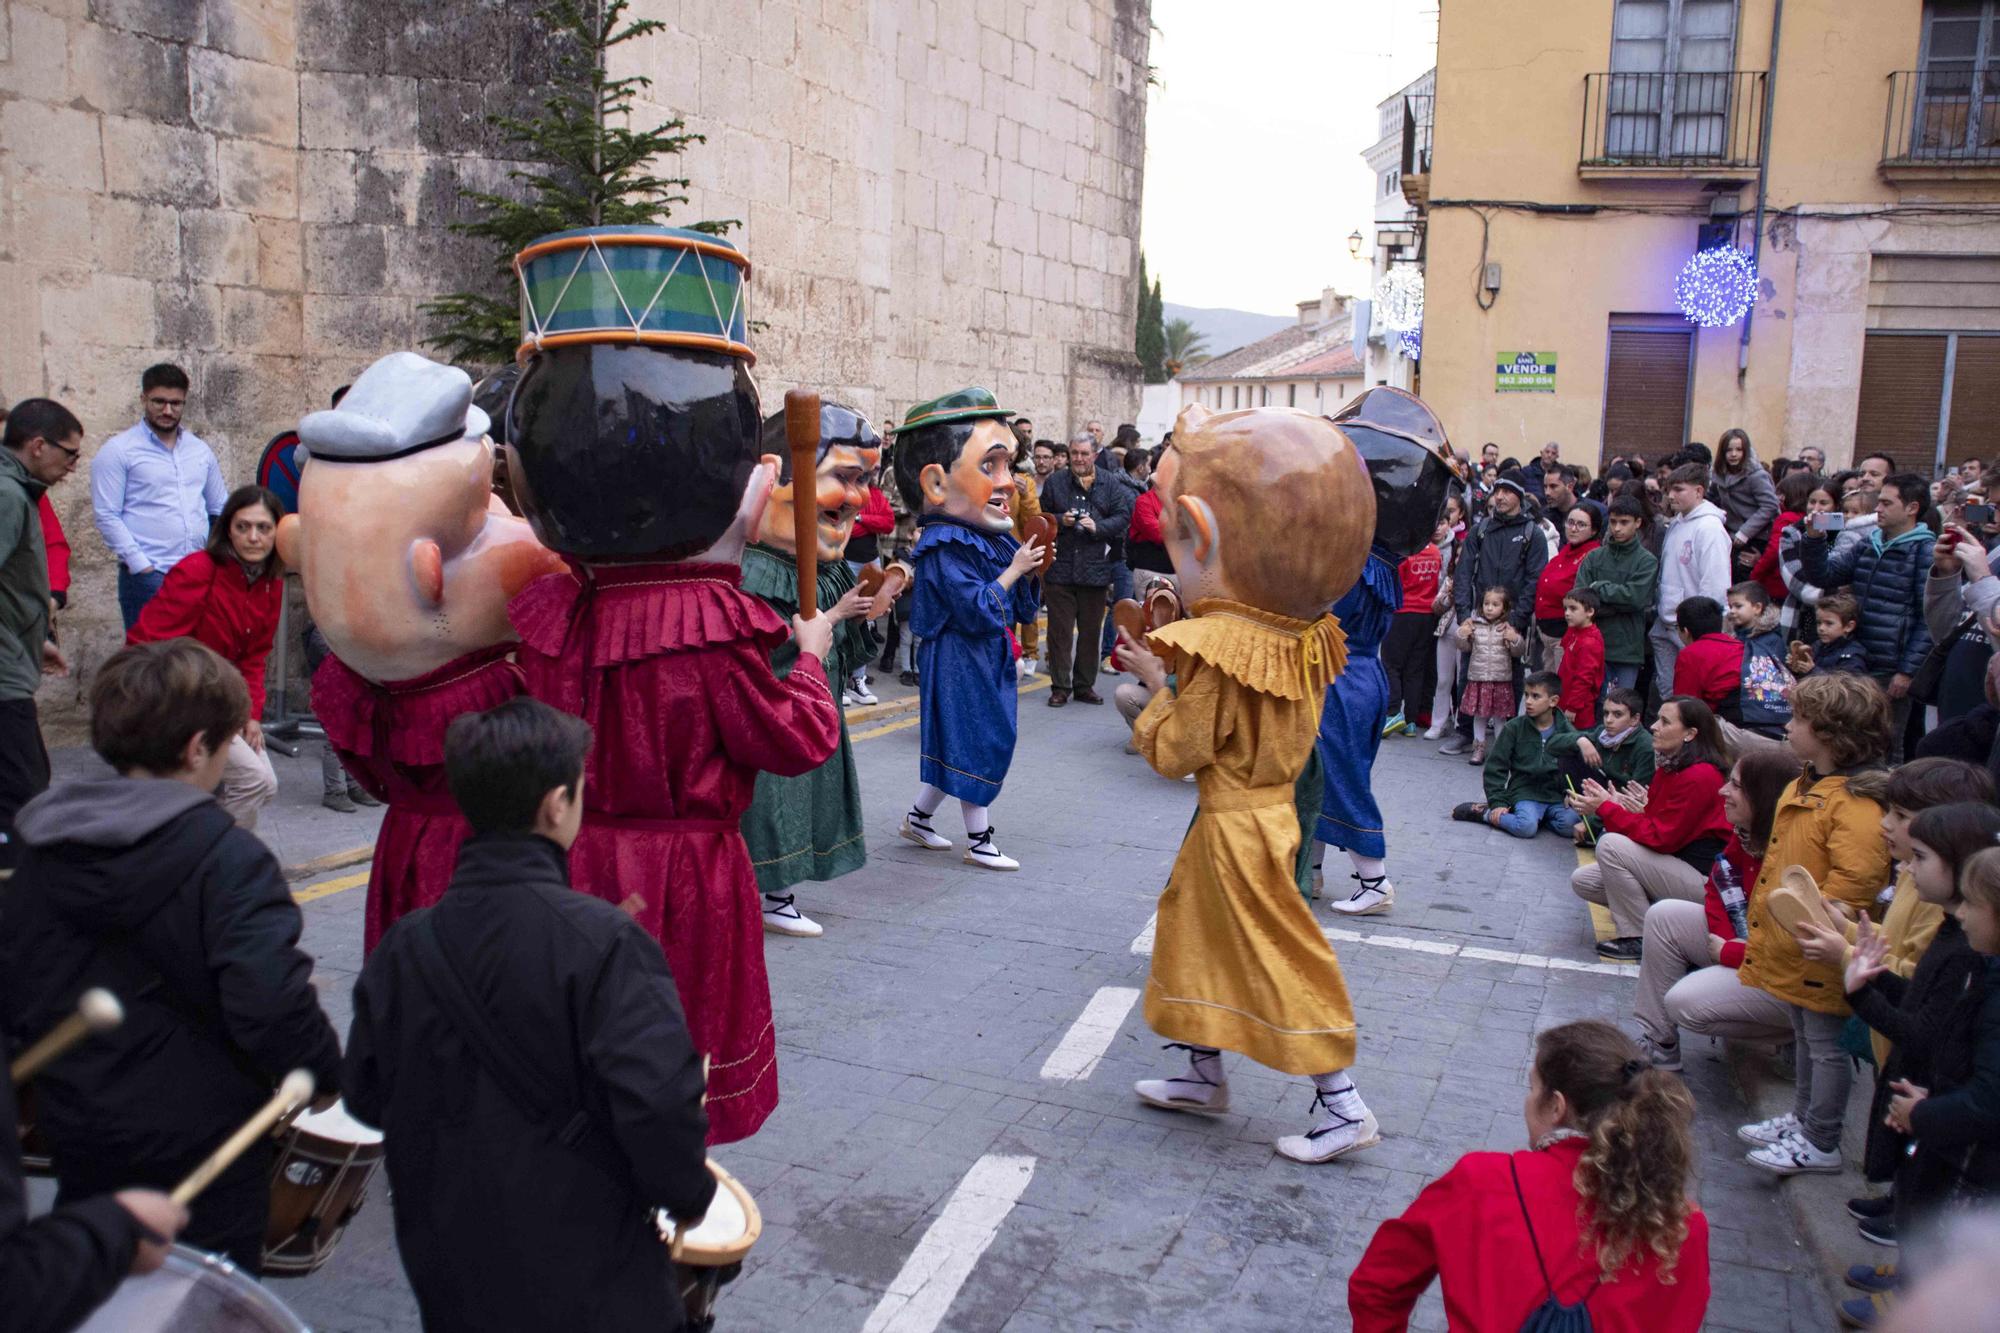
(1412, 342)
(1716, 287)
(1401, 296)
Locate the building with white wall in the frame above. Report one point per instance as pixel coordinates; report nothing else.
(1310, 365)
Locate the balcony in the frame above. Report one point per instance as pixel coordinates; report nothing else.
(1417, 150)
(1942, 124)
(1673, 125)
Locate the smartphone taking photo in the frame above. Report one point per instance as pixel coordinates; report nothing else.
(1831, 521)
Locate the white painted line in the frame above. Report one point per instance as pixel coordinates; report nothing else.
(921, 1294)
(1077, 1054)
(1144, 941)
(1340, 935)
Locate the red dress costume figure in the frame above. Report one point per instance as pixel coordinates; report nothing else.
(640, 463)
(408, 564)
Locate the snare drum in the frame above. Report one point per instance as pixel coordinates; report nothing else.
(193, 1293)
(710, 1253)
(324, 1165)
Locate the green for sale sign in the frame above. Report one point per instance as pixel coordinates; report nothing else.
(1525, 372)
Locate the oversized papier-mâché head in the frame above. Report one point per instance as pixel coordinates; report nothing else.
(850, 449)
(633, 433)
(953, 457)
(407, 559)
(1271, 507)
(1410, 462)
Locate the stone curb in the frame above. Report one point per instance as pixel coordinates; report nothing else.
(319, 865)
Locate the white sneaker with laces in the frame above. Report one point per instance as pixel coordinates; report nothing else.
(1344, 1124)
(1203, 1090)
(847, 699)
(858, 692)
(980, 851)
(1769, 1131)
(783, 917)
(917, 828)
(1373, 898)
(1793, 1155)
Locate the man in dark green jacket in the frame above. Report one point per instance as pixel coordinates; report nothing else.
(1626, 578)
(1524, 767)
(42, 444)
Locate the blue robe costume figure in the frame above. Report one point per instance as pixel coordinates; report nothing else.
(1357, 706)
(965, 661)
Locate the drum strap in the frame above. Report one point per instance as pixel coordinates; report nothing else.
(517, 1077)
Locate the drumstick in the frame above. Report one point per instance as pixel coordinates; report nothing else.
(294, 1092)
(802, 438)
(97, 1011)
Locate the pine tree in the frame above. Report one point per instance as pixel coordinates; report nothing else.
(588, 168)
(1150, 337)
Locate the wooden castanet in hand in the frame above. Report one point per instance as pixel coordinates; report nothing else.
(97, 1011)
(802, 441)
(1129, 619)
(1042, 528)
(883, 586)
(294, 1092)
(1163, 606)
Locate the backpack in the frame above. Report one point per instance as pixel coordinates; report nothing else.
(1765, 687)
(1551, 1316)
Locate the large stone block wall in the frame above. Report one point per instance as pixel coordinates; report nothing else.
(932, 192)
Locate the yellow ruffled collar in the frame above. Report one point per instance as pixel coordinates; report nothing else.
(1262, 650)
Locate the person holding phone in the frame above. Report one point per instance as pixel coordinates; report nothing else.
(1960, 597)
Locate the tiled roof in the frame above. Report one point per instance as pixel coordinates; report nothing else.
(1318, 350)
(1334, 365)
(1232, 365)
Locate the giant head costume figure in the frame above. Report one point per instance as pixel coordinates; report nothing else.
(1270, 507)
(407, 559)
(1409, 462)
(954, 458)
(633, 432)
(850, 449)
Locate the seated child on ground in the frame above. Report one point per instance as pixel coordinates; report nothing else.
(1523, 772)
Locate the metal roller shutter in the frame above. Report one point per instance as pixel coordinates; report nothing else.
(1646, 380)
(1902, 391)
(1975, 401)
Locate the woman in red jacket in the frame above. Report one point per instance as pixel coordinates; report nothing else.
(1582, 527)
(1793, 491)
(1659, 840)
(228, 597)
(1596, 1214)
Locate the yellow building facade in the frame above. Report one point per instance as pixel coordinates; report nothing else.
(1577, 157)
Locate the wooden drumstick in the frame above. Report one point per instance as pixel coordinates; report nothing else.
(802, 439)
(294, 1092)
(97, 1011)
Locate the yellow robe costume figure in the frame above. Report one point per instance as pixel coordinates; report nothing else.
(1239, 963)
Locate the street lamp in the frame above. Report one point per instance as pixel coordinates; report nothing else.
(1354, 243)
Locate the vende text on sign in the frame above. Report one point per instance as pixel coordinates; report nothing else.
(1524, 372)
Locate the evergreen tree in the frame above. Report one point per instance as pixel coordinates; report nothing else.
(1150, 337)
(589, 167)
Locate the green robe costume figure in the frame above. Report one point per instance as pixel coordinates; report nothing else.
(807, 827)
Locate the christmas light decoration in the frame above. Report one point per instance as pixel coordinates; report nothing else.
(1412, 342)
(1400, 295)
(1716, 287)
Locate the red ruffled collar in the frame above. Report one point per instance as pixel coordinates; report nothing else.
(407, 718)
(614, 614)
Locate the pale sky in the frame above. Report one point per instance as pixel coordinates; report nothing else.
(1253, 140)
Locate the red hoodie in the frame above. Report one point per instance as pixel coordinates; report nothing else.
(217, 605)
(1558, 577)
(875, 517)
(1421, 574)
(1766, 571)
(1710, 669)
(1582, 674)
(1683, 815)
(1145, 524)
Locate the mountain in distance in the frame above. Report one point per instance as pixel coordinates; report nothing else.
(1227, 330)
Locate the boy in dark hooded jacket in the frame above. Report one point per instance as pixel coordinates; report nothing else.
(143, 885)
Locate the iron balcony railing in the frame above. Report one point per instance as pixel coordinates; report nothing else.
(1943, 117)
(1417, 134)
(1674, 118)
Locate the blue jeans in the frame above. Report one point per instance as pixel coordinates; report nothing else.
(1526, 818)
(1621, 675)
(1121, 586)
(135, 590)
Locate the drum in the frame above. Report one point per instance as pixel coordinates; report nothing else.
(193, 1293)
(710, 1253)
(324, 1165)
(663, 286)
(35, 1156)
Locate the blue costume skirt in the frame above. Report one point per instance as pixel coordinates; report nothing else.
(1350, 732)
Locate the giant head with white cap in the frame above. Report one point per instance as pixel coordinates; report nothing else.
(407, 559)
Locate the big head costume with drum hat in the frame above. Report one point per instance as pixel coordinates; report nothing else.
(408, 565)
(633, 448)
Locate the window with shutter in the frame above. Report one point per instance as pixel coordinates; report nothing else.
(1649, 369)
(1670, 87)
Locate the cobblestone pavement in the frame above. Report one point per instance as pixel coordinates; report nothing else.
(933, 1067)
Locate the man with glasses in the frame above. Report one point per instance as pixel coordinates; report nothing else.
(42, 444)
(155, 489)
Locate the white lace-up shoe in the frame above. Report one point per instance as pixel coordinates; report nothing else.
(1373, 897)
(1203, 1090)
(981, 851)
(783, 917)
(1342, 1124)
(917, 828)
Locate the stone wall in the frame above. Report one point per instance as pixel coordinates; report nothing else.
(932, 192)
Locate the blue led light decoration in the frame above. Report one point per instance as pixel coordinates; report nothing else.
(1716, 287)
(1400, 297)
(1412, 342)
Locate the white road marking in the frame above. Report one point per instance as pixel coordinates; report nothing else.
(1441, 948)
(1077, 1054)
(921, 1294)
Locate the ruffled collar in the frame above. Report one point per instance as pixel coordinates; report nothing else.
(942, 529)
(1262, 650)
(609, 615)
(772, 575)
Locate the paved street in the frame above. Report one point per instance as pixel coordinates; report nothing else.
(934, 1066)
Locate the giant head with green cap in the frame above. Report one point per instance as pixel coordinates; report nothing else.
(953, 457)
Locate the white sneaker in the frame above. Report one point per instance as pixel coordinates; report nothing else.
(1435, 730)
(1024, 668)
(1769, 1131)
(847, 699)
(917, 828)
(1373, 898)
(783, 917)
(1344, 1124)
(857, 692)
(980, 851)
(1203, 1090)
(1792, 1155)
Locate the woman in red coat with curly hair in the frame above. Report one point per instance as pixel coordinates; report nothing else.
(228, 596)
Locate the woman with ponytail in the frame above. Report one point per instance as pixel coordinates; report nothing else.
(1596, 1215)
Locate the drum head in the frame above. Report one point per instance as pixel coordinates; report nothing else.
(193, 1293)
(336, 1124)
(726, 1232)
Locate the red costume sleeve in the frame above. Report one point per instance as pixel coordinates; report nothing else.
(788, 726)
(175, 609)
(875, 518)
(1682, 804)
(57, 545)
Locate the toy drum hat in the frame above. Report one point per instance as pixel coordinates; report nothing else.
(1409, 460)
(634, 427)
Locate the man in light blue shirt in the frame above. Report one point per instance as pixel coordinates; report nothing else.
(155, 489)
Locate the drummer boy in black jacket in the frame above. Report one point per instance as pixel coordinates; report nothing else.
(521, 1046)
(143, 885)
